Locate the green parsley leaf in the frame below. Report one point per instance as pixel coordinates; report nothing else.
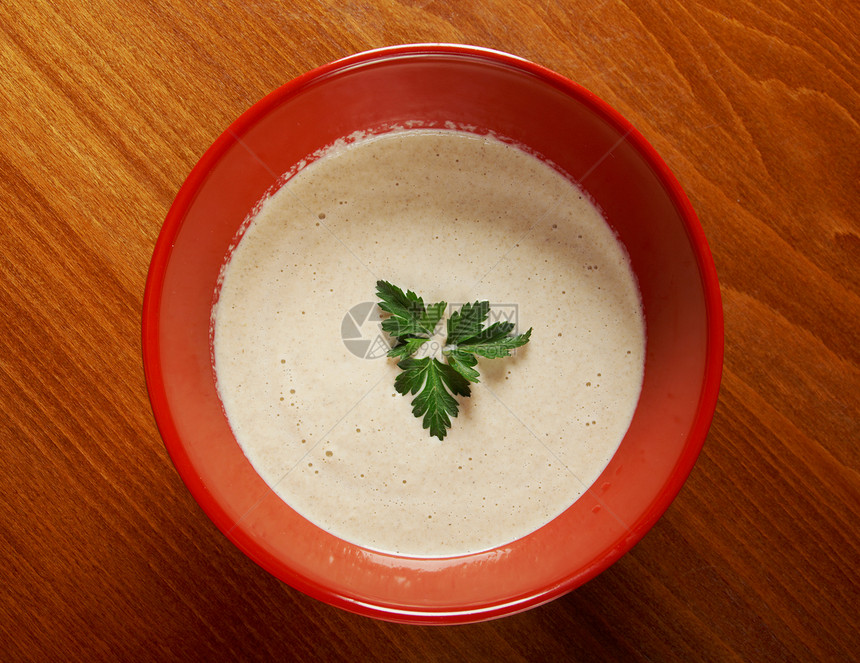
(495, 341)
(409, 316)
(463, 363)
(466, 335)
(406, 347)
(437, 383)
(467, 322)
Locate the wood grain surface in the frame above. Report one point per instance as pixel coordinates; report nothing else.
(105, 108)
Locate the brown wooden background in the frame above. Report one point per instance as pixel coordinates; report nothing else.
(104, 109)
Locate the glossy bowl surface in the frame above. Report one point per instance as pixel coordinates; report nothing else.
(437, 84)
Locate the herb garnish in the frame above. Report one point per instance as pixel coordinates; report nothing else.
(412, 324)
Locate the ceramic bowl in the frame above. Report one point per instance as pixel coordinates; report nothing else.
(435, 85)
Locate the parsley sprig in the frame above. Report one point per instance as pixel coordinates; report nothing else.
(411, 324)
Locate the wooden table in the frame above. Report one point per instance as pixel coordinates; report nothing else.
(105, 109)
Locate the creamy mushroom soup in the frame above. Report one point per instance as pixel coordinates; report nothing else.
(454, 216)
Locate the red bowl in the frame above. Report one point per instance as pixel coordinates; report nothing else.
(641, 200)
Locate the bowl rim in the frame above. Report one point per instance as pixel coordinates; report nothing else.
(162, 251)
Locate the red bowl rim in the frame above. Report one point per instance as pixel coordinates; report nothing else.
(153, 298)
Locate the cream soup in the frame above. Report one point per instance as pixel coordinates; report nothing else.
(455, 217)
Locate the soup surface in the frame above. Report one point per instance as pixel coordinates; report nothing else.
(299, 355)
